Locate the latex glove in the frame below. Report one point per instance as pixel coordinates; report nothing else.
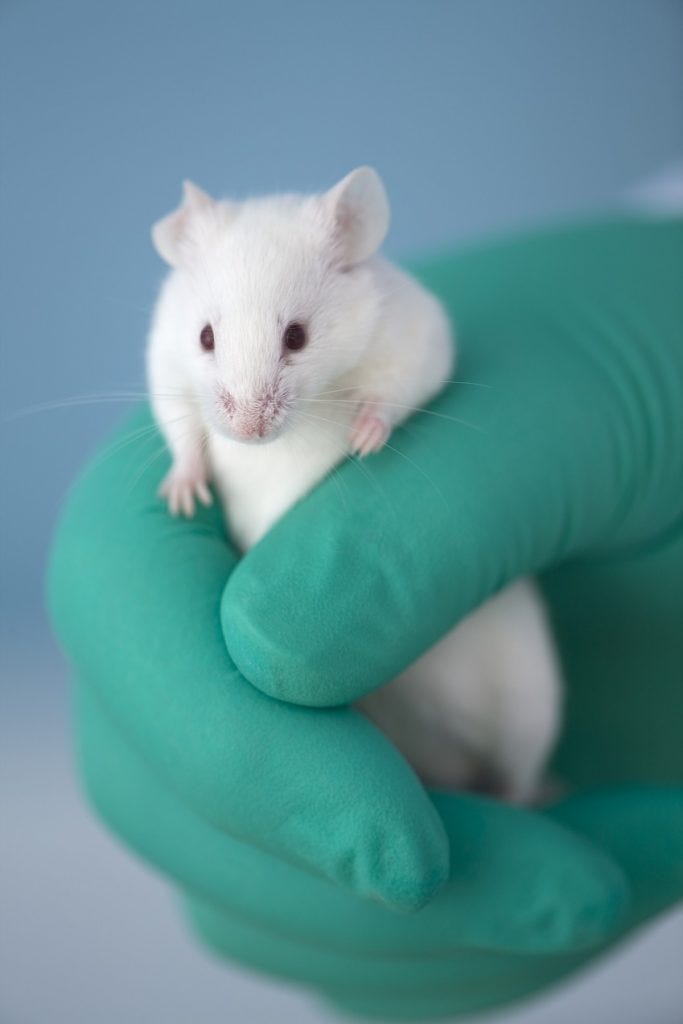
(241, 798)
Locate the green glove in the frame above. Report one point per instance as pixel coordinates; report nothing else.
(279, 821)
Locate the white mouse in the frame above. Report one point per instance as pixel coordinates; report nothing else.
(281, 343)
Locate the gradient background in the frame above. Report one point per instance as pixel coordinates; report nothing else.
(481, 116)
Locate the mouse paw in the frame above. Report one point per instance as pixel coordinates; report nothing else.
(182, 485)
(369, 433)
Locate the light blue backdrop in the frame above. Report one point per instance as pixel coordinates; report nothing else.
(480, 116)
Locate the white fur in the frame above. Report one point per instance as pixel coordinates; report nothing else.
(485, 700)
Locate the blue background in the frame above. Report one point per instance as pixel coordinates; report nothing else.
(481, 117)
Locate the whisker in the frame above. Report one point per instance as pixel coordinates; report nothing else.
(391, 447)
(337, 391)
(333, 474)
(67, 403)
(76, 401)
(141, 434)
(147, 464)
(193, 432)
(444, 381)
(399, 405)
(117, 446)
(345, 454)
(422, 473)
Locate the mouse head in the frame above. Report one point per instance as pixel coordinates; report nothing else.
(279, 301)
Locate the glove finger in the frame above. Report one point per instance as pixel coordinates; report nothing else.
(642, 828)
(518, 882)
(398, 987)
(135, 595)
(575, 443)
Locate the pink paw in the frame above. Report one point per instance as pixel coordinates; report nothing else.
(181, 486)
(369, 433)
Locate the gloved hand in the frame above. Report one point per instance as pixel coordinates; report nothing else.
(298, 834)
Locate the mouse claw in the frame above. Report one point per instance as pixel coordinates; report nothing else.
(181, 486)
(370, 433)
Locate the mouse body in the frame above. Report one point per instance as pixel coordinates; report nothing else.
(281, 343)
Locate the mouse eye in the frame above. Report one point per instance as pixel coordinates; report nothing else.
(206, 338)
(294, 337)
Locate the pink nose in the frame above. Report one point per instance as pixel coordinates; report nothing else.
(250, 428)
(253, 417)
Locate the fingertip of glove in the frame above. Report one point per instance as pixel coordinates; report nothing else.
(589, 915)
(409, 895)
(397, 856)
(270, 659)
(254, 651)
(526, 884)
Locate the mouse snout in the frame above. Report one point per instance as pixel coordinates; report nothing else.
(255, 417)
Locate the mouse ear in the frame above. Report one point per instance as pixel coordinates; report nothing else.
(175, 233)
(359, 209)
